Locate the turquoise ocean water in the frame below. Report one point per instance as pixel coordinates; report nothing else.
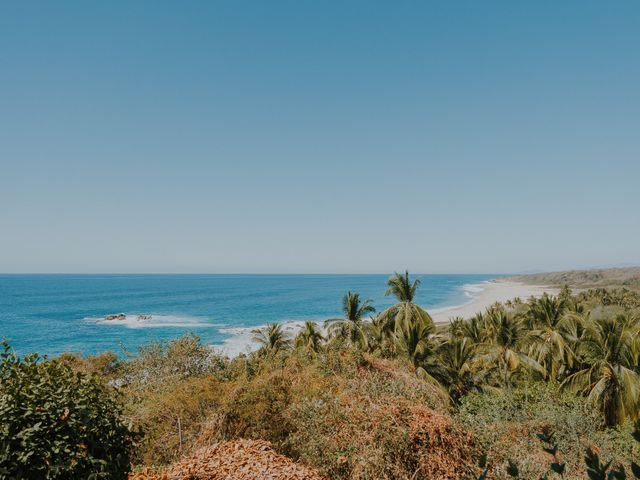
(51, 314)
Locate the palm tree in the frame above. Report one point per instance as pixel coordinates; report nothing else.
(350, 328)
(608, 351)
(565, 293)
(551, 335)
(309, 338)
(456, 327)
(272, 338)
(503, 346)
(574, 326)
(458, 372)
(375, 338)
(545, 310)
(405, 311)
(412, 339)
(475, 328)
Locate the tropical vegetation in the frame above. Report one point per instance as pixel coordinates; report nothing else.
(540, 388)
(58, 424)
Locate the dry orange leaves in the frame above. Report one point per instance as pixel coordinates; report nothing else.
(235, 460)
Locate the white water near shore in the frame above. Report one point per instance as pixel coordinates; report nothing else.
(54, 314)
(240, 340)
(155, 321)
(481, 296)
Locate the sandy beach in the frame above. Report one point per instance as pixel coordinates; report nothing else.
(492, 291)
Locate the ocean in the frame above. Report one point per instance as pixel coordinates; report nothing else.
(51, 314)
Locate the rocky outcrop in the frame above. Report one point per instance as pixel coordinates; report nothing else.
(123, 316)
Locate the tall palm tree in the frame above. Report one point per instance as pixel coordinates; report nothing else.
(550, 339)
(405, 311)
(272, 338)
(350, 328)
(503, 345)
(309, 338)
(609, 350)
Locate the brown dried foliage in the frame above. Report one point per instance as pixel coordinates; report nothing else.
(236, 460)
(380, 427)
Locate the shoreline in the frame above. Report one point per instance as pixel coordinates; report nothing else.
(485, 294)
(492, 291)
(220, 322)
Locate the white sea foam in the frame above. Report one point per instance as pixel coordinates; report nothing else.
(241, 338)
(473, 289)
(470, 290)
(155, 321)
(238, 342)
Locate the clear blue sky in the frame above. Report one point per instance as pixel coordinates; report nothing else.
(298, 136)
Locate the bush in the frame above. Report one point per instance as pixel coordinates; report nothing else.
(382, 423)
(105, 365)
(287, 399)
(57, 424)
(172, 417)
(507, 422)
(160, 363)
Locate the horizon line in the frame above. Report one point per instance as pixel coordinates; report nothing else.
(265, 273)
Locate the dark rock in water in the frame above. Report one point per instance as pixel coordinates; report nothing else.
(144, 317)
(117, 316)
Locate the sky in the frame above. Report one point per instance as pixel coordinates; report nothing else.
(297, 136)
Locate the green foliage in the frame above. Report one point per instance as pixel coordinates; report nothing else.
(106, 365)
(608, 351)
(378, 425)
(405, 312)
(172, 415)
(272, 339)
(621, 297)
(57, 424)
(503, 350)
(512, 469)
(506, 424)
(350, 328)
(160, 363)
(309, 339)
(392, 396)
(510, 373)
(551, 334)
(596, 469)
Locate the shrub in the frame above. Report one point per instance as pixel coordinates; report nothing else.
(507, 422)
(104, 365)
(246, 399)
(172, 417)
(269, 397)
(57, 424)
(382, 424)
(161, 362)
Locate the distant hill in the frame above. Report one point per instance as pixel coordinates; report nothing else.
(602, 277)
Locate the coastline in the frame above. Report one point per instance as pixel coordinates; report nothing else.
(159, 308)
(490, 292)
(484, 295)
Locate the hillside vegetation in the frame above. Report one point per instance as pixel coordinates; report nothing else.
(543, 388)
(628, 277)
